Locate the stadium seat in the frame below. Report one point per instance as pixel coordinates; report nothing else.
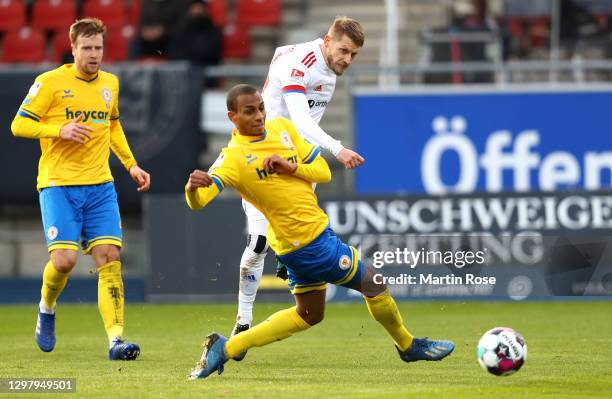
(111, 12)
(217, 9)
(23, 45)
(116, 46)
(55, 15)
(134, 11)
(60, 45)
(12, 14)
(236, 42)
(259, 12)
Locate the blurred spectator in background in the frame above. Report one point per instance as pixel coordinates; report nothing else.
(471, 30)
(474, 17)
(196, 38)
(578, 24)
(158, 20)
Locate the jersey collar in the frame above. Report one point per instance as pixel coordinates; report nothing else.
(80, 76)
(248, 139)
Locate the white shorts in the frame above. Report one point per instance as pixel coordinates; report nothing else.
(257, 224)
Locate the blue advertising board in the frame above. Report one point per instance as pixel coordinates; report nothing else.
(493, 141)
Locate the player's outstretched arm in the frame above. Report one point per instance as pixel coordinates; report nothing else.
(200, 189)
(297, 104)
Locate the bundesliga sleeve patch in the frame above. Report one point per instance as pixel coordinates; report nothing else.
(297, 76)
(34, 89)
(296, 82)
(218, 162)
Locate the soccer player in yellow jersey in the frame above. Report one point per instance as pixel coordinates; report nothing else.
(74, 112)
(273, 168)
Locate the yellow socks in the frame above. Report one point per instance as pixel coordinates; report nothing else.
(279, 326)
(110, 298)
(384, 310)
(52, 286)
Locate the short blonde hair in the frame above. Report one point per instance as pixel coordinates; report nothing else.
(347, 26)
(86, 27)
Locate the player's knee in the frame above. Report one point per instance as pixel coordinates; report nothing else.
(254, 254)
(311, 316)
(104, 254)
(372, 289)
(369, 285)
(64, 260)
(257, 243)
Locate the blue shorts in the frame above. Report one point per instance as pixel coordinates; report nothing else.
(325, 260)
(70, 213)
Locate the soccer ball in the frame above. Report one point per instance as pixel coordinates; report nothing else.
(502, 351)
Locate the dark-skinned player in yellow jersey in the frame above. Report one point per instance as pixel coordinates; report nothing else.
(273, 168)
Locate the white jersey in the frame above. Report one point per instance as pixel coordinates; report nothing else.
(302, 69)
(299, 68)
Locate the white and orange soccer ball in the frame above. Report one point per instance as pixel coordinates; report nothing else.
(502, 351)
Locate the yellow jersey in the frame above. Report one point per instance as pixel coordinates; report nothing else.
(56, 98)
(288, 201)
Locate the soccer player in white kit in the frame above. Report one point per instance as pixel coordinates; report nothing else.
(301, 81)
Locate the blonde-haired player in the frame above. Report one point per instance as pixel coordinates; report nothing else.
(74, 112)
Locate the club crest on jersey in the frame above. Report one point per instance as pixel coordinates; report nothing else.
(345, 262)
(34, 89)
(319, 89)
(107, 96)
(52, 233)
(286, 140)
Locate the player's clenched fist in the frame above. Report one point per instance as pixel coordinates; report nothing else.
(198, 178)
(279, 165)
(76, 131)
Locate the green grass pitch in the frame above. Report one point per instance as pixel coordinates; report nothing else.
(347, 355)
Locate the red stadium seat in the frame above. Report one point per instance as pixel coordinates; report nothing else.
(134, 12)
(236, 42)
(54, 14)
(217, 9)
(12, 14)
(60, 46)
(116, 46)
(111, 12)
(259, 12)
(24, 45)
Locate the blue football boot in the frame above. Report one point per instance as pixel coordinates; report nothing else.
(213, 358)
(45, 331)
(123, 350)
(424, 349)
